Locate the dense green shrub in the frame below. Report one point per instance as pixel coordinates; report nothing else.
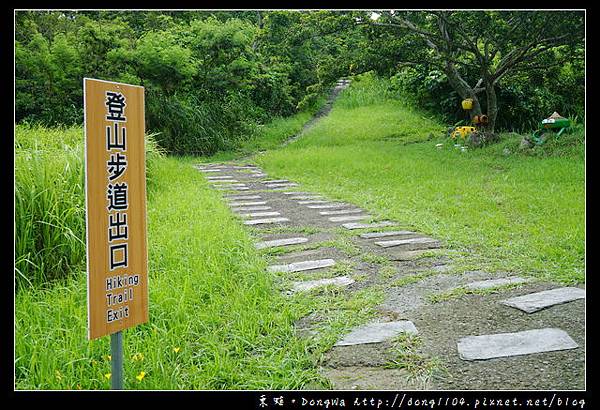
(210, 80)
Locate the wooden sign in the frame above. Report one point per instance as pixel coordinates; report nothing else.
(115, 160)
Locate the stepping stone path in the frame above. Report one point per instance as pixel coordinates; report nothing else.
(257, 214)
(341, 212)
(365, 226)
(482, 343)
(214, 182)
(302, 266)
(280, 242)
(252, 208)
(312, 284)
(265, 221)
(494, 283)
(384, 234)
(328, 206)
(412, 241)
(348, 218)
(237, 197)
(537, 301)
(514, 344)
(305, 197)
(281, 185)
(377, 332)
(248, 203)
(236, 188)
(312, 201)
(228, 185)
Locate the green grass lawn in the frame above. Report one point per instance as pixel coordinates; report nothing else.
(216, 319)
(516, 212)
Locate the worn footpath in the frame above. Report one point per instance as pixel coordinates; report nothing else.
(437, 327)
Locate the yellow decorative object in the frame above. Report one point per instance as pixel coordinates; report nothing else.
(462, 132)
(467, 104)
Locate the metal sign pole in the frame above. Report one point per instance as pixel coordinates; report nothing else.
(116, 351)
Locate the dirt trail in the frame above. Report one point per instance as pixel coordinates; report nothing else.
(323, 111)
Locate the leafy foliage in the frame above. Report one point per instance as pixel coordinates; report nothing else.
(261, 65)
(518, 67)
(210, 77)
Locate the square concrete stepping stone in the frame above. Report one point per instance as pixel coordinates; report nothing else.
(377, 332)
(212, 170)
(327, 206)
(235, 188)
(280, 242)
(384, 234)
(220, 177)
(265, 221)
(297, 193)
(311, 284)
(514, 344)
(341, 212)
(258, 214)
(238, 197)
(306, 197)
(282, 185)
(248, 203)
(222, 184)
(357, 225)
(411, 241)
(348, 218)
(252, 208)
(493, 283)
(537, 301)
(313, 201)
(256, 175)
(226, 182)
(397, 254)
(302, 266)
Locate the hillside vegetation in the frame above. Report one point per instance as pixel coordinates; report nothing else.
(521, 211)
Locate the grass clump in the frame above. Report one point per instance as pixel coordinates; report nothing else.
(460, 291)
(407, 356)
(50, 202)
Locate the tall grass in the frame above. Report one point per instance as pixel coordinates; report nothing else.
(50, 202)
(367, 89)
(217, 319)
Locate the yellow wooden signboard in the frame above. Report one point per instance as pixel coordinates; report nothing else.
(117, 265)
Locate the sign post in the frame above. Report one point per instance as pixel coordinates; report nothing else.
(115, 174)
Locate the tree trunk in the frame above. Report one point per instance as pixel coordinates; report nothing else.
(463, 89)
(492, 106)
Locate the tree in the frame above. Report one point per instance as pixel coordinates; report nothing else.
(486, 45)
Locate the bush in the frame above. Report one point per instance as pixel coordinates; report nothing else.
(191, 125)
